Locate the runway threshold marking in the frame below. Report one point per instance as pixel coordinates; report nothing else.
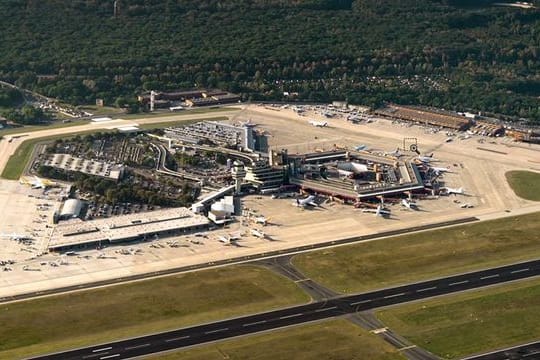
(458, 283)
(407, 347)
(291, 316)
(102, 349)
(518, 271)
(361, 302)
(109, 356)
(177, 338)
(254, 323)
(489, 277)
(137, 346)
(326, 309)
(215, 331)
(531, 354)
(395, 295)
(426, 289)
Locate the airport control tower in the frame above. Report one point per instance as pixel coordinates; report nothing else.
(238, 173)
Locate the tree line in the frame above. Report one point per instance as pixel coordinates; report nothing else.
(446, 53)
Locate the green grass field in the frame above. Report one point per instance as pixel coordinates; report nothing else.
(425, 255)
(335, 340)
(101, 110)
(480, 321)
(90, 317)
(526, 184)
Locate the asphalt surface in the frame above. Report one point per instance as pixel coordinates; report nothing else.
(320, 310)
(236, 260)
(365, 319)
(528, 351)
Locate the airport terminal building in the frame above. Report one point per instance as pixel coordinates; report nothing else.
(133, 227)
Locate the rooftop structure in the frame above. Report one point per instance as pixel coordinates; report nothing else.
(353, 175)
(72, 208)
(221, 211)
(91, 167)
(131, 227)
(422, 116)
(222, 134)
(190, 97)
(263, 176)
(201, 205)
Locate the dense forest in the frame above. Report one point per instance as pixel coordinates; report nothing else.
(455, 54)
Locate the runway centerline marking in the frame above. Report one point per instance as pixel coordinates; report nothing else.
(254, 323)
(291, 316)
(520, 270)
(137, 346)
(177, 338)
(361, 302)
(489, 277)
(94, 355)
(458, 283)
(326, 309)
(102, 349)
(215, 331)
(426, 289)
(395, 295)
(109, 357)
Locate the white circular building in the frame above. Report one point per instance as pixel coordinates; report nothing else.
(72, 208)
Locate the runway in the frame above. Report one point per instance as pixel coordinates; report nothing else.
(529, 351)
(338, 306)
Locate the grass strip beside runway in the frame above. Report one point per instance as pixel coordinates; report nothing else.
(425, 255)
(526, 184)
(89, 317)
(334, 339)
(457, 325)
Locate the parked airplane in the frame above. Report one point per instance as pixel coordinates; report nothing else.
(227, 240)
(17, 237)
(130, 251)
(379, 211)
(360, 147)
(454, 191)
(309, 201)
(328, 114)
(409, 204)
(395, 153)
(261, 220)
(37, 183)
(318, 123)
(426, 158)
(440, 170)
(258, 233)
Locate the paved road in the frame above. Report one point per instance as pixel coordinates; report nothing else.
(300, 314)
(529, 351)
